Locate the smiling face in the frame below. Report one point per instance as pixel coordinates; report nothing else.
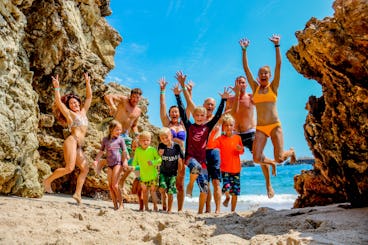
(74, 105)
(134, 99)
(200, 115)
(210, 105)
(264, 75)
(166, 138)
(174, 114)
(116, 131)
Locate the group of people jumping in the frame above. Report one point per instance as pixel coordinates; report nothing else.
(210, 147)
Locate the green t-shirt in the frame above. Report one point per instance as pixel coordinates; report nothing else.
(140, 160)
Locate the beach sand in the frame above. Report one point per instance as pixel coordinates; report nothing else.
(56, 219)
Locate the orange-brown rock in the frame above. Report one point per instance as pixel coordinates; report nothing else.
(334, 52)
(39, 39)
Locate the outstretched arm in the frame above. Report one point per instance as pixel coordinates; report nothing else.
(165, 120)
(244, 43)
(112, 100)
(224, 96)
(276, 80)
(87, 102)
(235, 105)
(181, 79)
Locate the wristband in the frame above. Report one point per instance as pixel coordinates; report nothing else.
(57, 89)
(277, 45)
(162, 92)
(244, 48)
(184, 88)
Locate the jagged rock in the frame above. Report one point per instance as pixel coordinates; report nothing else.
(39, 39)
(334, 52)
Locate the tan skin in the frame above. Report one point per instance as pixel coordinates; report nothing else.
(126, 111)
(172, 121)
(210, 105)
(228, 128)
(267, 111)
(73, 154)
(145, 142)
(113, 174)
(166, 138)
(200, 118)
(241, 108)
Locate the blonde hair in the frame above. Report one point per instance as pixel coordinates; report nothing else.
(227, 118)
(163, 131)
(200, 109)
(144, 134)
(113, 124)
(268, 68)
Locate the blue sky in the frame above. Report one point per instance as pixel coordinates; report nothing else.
(201, 39)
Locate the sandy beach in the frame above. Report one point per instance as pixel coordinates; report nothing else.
(56, 219)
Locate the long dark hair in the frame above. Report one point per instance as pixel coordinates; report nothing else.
(65, 100)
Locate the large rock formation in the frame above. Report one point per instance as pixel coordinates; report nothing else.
(334, 52)
(39, 39)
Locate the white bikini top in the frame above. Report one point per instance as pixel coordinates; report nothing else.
(79, 121)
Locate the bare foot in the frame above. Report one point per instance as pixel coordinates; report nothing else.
(47, 187)
(189, 190)
(293, 156)
(163, 208)
(270, 192)
(226, 202)
(77, 198)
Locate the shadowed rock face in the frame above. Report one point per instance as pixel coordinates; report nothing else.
(39, 39)
(334, 52)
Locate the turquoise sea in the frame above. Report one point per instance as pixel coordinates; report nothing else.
(253, 190)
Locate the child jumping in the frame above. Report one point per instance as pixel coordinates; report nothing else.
(197, 136)
(115, 147)
(231, 147)
(146, 158)
(172, 160)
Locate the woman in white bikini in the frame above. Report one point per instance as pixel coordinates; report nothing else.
(69, 112)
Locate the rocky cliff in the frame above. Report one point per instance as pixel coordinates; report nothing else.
(334, 52)
(39, 39)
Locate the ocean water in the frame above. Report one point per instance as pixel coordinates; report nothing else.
(253, 189)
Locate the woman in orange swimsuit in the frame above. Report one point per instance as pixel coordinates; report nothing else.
(264, 98)
(69, 112)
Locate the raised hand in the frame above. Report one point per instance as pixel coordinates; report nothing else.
(176, 89)
(87, 78)
(55, 81)
(226, 94)
(162, 83)
(275, 39)
(244, 43)
(190, 86)
(181, 78)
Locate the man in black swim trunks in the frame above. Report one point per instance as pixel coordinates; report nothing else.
(241, 108)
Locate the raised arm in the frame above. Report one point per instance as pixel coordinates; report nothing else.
(183, 115)
(112, 100)
(235, 102)
(244, 43)
(87, 102)
(165, 120)
(188, 98)
(60, 105)
(224, 96)
(275, 39)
